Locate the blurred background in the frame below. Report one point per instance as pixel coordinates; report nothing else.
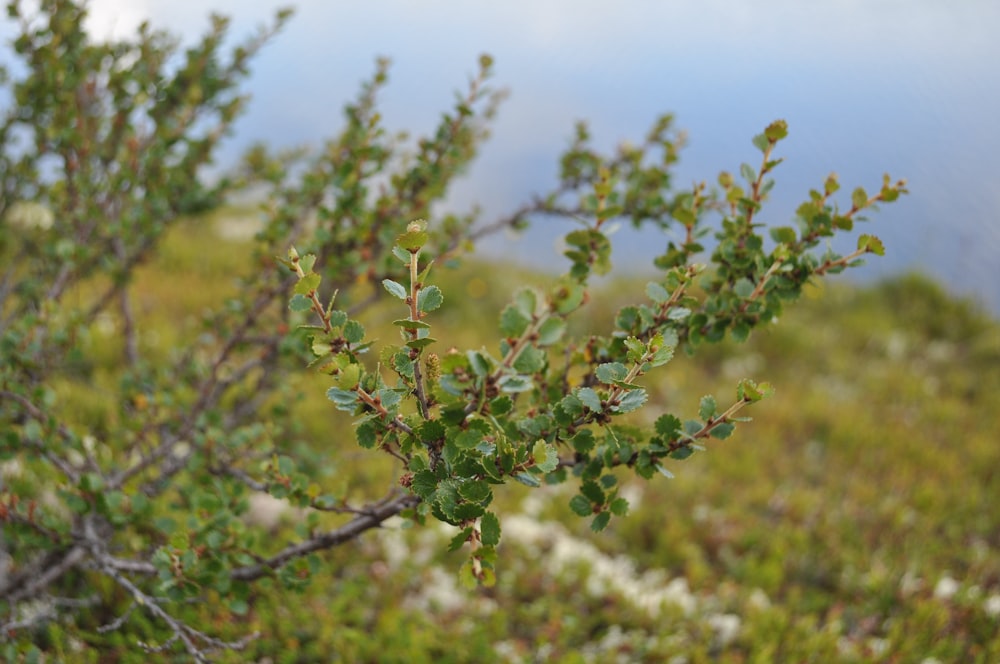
(909, 88)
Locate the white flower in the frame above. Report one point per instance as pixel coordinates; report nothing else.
(946, 588)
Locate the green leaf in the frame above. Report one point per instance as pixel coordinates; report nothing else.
(408, 324)
(349, 377)
(708, 407)
(581, 506)
(657, 293)
(619, 507)
(859, 198)
(429, 299)
(299, 302)
(785, 234)
(526, 301)
(513, 322)
(423, 342)
(344, 399)
(776, 131)
(589, 398)
(723, 430)
(636, 349)
(600, 522)
(489, 528)
(480, 366)
(668, 426)
(412, 239)
(551, 331)
(682, 453)
(748, 173)
(394, 288)
(593, 492)
(424, 483)
(633, 400)
(459, 540)
(744, 288)
(354, 332)
(514, 383)
(530, 360)
(761, 143)
(338, 318)
(307, 262)
(307, 284)
(610, 372)
(476, 491)
(545, 456)
(366, 435)
(871, 244)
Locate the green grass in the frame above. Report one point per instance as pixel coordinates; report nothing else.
(856, 519)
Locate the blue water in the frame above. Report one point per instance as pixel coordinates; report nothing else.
(867, 86)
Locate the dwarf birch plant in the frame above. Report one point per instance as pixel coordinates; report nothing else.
(131, 459)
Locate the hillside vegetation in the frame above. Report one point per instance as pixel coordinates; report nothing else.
(856, 519)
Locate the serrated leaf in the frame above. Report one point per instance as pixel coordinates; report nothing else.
(365, 434)
(514, 383)
(723, 430)
(581, 506)
(423, 342)
(354, 332)
(307, 284)
(593, 492)
(480, 366)
(307, 262)
(476, 491)
(412, 239)
(528, 480)
(349, 377)
(610, 372)
(600, 522)
(530, 360)
(459, 540)
(584, 441)
(429, 298)
(489, 529)
(338, 318)
(424, 483)
(636, 349)
(545, 456)
(513, 322)
(657, 293)
(299, 302)
(551, 331)
(776, 131)
(589, 398)
(633, 400)
(526, 302)
(343, 399)
(668, 426)
(708, 407)
(691, 427)
(871, 244)
(395, 289)
(682, 453)
(619, 507)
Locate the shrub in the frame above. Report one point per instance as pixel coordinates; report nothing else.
(131, 465)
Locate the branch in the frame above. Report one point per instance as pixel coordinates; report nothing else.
(368, 519)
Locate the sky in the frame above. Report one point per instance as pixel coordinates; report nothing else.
(908, 87)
